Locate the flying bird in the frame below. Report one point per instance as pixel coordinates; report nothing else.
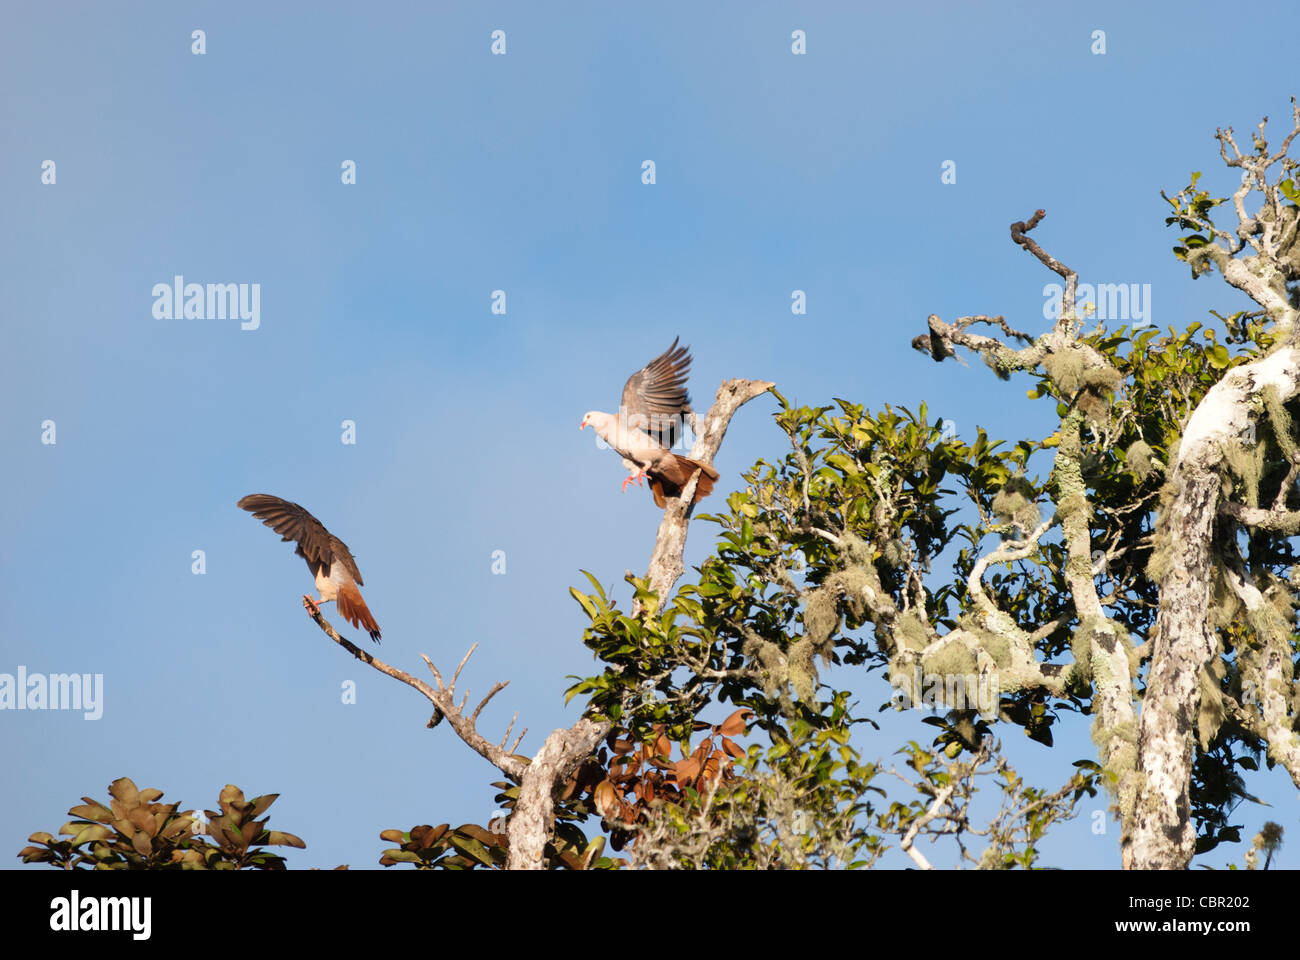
(655, 404)
(328, 557)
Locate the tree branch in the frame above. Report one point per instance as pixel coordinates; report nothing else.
(1161, 834)
(530, 825)
(442, 697)
(666, 565)
(1019, 234)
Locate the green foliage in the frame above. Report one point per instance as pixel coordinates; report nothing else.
(431, 848)
(1192, 212)
(801, 802)
(861, 506)
(945, 790)
(831, 555)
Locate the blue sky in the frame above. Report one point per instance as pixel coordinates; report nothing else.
(520, 172)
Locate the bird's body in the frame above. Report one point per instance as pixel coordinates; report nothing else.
(328, 557)
(650, 420)
(330, 582)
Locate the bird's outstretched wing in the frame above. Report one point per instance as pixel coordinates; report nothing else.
(293, 523)
(655, 398)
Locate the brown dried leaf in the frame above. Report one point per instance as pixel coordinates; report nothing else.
(479, 834)
(735, 723)
(92, 811)
(711, 767)
(685, 770)
(124, 789)
(426, 836)
(144, 820)
(143, 845)
(262, 803)
(177, 827)
(278, 838)
(606, 798)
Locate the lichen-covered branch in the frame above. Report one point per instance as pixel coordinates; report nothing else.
(1268, 677)
(1083, 376)
(1161, 836)
(1106, 663)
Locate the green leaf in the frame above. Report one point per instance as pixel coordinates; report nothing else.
(471, 848)
(402, 856)
(584, 601)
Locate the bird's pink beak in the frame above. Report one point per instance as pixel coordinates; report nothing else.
(583, 424)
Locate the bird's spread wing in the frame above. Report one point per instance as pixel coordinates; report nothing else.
(316, 545)
(655, 398)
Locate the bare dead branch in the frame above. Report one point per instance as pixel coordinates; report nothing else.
(463, 660)
(510, 726)
(440, 697)
(666, 561)
(1019, 234)
(496, 688)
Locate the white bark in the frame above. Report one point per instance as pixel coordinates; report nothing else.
(1159, 834)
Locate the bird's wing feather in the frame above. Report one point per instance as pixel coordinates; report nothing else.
(657, 392)
(316, 545)
(343, 554)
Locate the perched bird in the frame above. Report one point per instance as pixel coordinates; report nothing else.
(649, 422)
(328, 557)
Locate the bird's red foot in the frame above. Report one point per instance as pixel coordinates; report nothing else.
(310, 605)
(638, 477)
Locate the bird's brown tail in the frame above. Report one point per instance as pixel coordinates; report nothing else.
(354, 610)
(672, 479)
